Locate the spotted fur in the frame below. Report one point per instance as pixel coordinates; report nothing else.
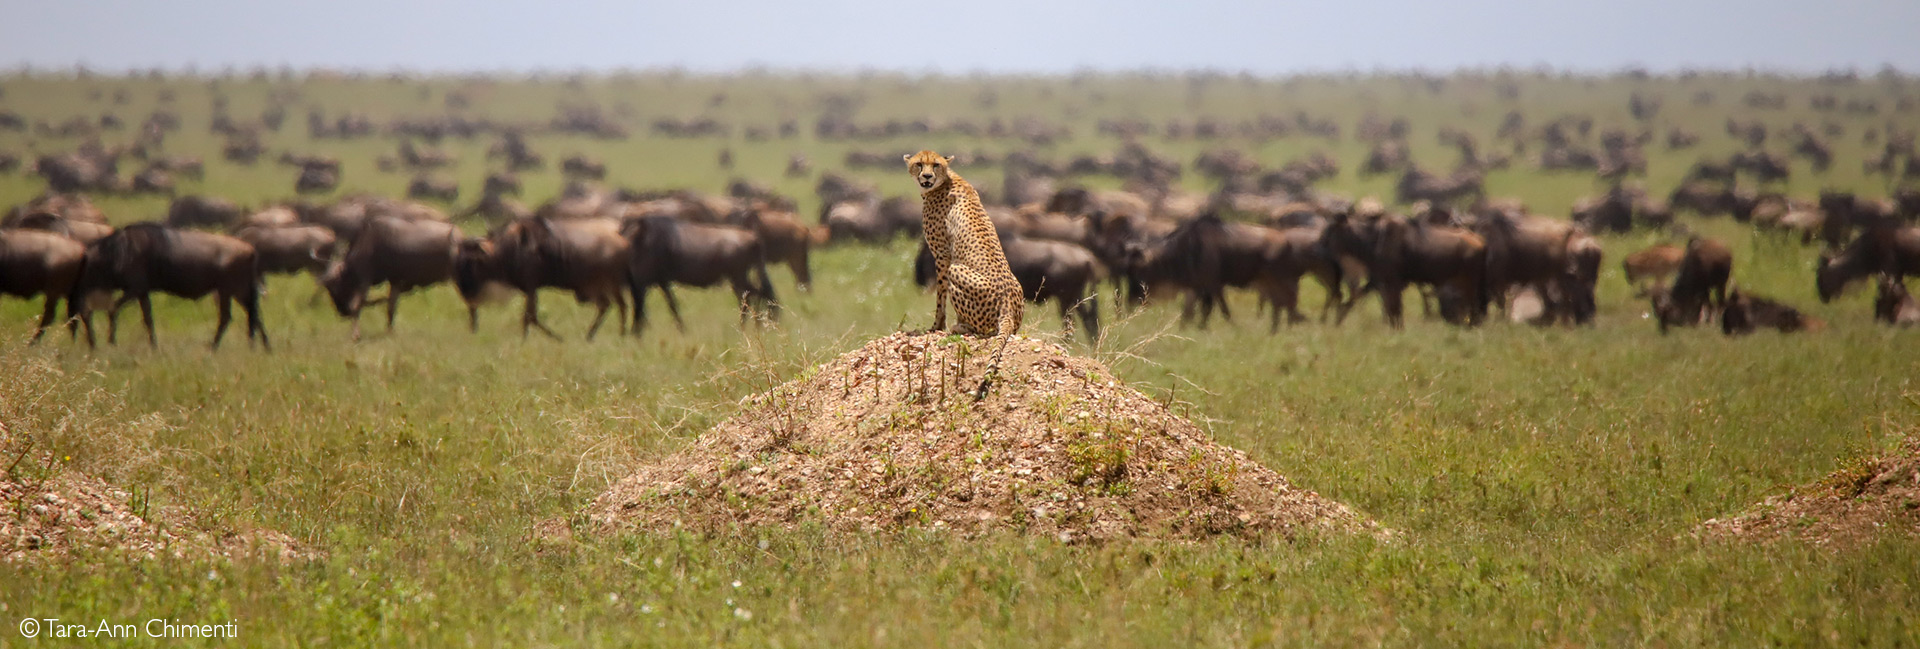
(970, 269)
(969, 266)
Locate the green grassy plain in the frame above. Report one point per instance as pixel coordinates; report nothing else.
(1544, 481)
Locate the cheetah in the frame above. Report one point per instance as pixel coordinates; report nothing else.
(969, 265)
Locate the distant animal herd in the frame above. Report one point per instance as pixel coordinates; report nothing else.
(1262, 227)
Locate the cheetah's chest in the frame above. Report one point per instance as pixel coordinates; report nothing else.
(958, 231)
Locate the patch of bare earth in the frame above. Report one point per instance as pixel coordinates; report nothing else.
(1859, 502)
(890, 437)
(71, 512)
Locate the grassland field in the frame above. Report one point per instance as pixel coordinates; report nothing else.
(1544, 481)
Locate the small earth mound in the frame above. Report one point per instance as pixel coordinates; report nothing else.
(72, 512)
(1868, 498)
(890, 437)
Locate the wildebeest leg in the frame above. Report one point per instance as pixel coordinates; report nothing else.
(113, 318)
(393, 304)
(639, 292)
(801, 271)
(599, 315)
(621, 301)
(250, 301)
(46, 316)
(531, 318)
(673, 306)
(226, 316)
(1390, 303)
(83, 314)
(744, 292)
(146, 317)
(1089, 308)
(473, 317)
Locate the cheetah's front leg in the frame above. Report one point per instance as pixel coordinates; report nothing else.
(939, 300)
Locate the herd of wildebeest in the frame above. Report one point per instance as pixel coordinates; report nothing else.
(1262, 227)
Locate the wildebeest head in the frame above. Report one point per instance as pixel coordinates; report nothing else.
(929, 169)
(473, 266)
(1831, 276)
(345, 287)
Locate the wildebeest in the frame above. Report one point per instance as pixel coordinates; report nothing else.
(1654, 263)
(1894, 305)
(1885, 248)
(586, 256)
(32, 263)
(290, 248)
(145, 257)
(783, 237)
(1523, 250)
(1205, 255)
(581, 166)
(425, 187)
(666, 251)
(1063, 272)
(1700, 283)
(316, 181)
(195, 211)
(152, 181)
(1398, 251)
(1745, 312)
(82, 231)
(400, 253)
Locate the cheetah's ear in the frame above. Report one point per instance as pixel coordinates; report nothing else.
(906, 157)
(948, 157)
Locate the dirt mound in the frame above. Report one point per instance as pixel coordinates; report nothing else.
(1856, 503)
(74, 512)
(889, 437)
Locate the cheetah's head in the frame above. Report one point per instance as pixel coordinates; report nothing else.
(929, 169)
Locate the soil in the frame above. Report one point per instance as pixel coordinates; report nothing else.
(71, 512)
(891, 437)
(1863, 501)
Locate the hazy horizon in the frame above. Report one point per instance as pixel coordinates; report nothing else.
(985, 36)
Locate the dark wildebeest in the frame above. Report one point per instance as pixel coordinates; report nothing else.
(424, 187)
(586, 256)
(1894, 305)
(203, 212)
(32, 263)
(501, 183)
(152, 181)
(666, 251)
(1205, 255)
(580, 166)
(400, 253)
(1418, 185)
(1655, 264)
(869, 218)
(290, 248)
(145, 257)
(1745, 312)
(1398, 251)
(784, 238)
(1541, 253)
(84, 232)
(316, 181)
(1063, 272)
(1886, 248)
(1700, 283)
(1703, 198)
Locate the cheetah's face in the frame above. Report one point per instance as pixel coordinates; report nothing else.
(929, 169)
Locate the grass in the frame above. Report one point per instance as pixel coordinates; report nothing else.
(1543, 481)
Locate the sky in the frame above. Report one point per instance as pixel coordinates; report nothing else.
(963, 36)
